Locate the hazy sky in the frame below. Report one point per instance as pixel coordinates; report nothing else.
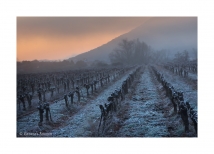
(54, 38)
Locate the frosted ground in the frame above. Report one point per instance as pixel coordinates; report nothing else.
(145, 112)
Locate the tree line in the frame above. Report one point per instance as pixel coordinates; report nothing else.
(131, 52)
(128, 52)
(36, 66)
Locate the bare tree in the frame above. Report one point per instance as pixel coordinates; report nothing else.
(131, 52)
(186, 56)
(124, 53)
(182, 57)
(142, 52)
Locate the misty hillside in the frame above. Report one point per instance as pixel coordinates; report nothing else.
(170, 33)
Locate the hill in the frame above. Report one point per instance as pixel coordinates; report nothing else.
(171, 33)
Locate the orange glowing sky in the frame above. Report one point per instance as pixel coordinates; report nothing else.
(57, 38)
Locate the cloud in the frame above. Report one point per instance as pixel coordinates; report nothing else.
(75, 26)
(60, 37)
(47, 47)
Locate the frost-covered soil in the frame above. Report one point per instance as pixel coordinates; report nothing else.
(145, 112)
(193, 76)
(187, 85)
(80, 120)
(144, 118)
(85, 122)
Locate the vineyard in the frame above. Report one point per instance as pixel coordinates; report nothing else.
(132, 101)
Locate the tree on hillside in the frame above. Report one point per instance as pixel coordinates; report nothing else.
(160, 56)
(124, 53)
(131, 52)
(182, 57)
(186, 55)
(141, 52)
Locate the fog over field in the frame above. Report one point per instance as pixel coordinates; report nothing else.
(160, 38)
(169, 33)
